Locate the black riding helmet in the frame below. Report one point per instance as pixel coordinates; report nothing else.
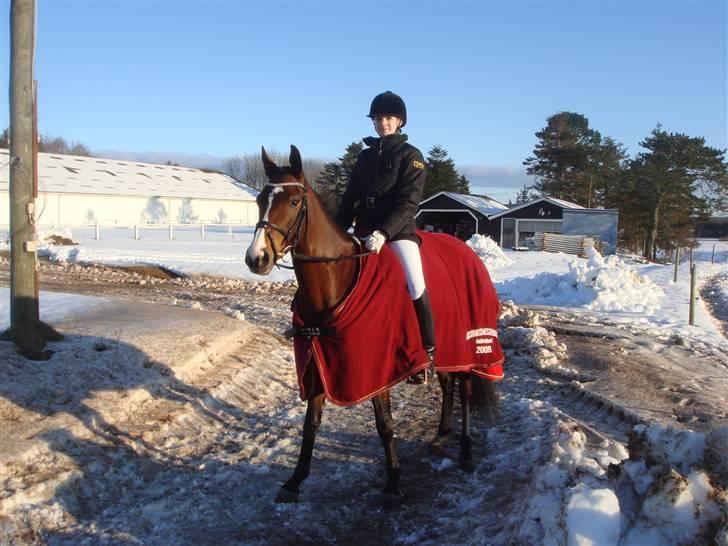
(388, 104)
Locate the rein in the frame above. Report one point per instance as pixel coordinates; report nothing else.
(301, 217)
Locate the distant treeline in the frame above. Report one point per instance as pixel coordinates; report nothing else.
(662, 193)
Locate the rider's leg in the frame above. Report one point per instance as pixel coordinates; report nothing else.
(408, 253)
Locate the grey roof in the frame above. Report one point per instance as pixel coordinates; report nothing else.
(59, 173)
(558, 202)
(480, 203)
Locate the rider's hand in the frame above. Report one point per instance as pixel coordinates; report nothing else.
(375, 241)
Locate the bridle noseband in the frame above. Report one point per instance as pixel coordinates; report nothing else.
(290, 245)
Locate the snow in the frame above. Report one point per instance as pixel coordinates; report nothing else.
(99, 176)
(616, 289)
(54, 306)
(667, 488)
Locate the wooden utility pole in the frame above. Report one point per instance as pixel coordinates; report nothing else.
(26, 330)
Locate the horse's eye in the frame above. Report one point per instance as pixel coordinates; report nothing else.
(294, 202)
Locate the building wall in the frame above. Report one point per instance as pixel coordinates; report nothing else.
(74, 209)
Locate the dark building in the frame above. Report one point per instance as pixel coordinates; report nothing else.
(715, 227)
(516, 227)
(458, 214)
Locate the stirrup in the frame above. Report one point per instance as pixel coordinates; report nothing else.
(422, 377)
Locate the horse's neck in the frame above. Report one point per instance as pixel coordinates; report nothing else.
(322, 285)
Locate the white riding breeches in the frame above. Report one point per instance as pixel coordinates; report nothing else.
(408, 253)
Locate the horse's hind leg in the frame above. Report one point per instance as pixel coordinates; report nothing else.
(385, 428)
(447, 384)
(466, 442)
(289, 490)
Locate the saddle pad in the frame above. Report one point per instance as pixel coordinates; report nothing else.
(377, 342)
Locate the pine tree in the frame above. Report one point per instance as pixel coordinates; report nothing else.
(561, 159)
(441, 173)
(333, 180)
(676, 180)
(525, 194)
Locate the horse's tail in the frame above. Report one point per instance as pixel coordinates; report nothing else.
(483, 396)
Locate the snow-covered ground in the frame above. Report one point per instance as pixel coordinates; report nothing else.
(615, 289)
(666, 488)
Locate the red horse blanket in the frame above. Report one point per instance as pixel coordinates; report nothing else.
(377, 341)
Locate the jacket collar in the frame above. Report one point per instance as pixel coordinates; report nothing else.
(387, 142)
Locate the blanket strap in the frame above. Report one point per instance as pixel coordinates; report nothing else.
(309, 331)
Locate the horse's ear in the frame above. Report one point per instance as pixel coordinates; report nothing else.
(268, 164)
(295, 162)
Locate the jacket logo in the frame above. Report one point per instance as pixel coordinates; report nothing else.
(418, 164)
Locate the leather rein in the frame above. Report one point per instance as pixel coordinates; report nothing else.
(290, 245)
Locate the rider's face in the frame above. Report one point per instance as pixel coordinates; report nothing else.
(386, 125)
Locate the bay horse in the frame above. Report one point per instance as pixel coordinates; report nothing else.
(326, 261)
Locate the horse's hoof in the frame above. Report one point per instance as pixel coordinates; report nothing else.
(286, 496)
(391, 501)
(467, 465)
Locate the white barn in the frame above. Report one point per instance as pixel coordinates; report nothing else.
(76, 191)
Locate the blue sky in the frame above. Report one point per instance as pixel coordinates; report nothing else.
(479, 78)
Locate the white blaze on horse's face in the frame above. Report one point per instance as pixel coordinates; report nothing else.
(256, 250)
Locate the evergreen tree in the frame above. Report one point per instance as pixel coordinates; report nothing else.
(561, 159)
(463, 185)
(525, 194)
(333, 180)
(607, 169)
(5, 138)
(676, 180)
(441, 173)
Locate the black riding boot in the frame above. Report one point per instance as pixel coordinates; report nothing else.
(423, 310)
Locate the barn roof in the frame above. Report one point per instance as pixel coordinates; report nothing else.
(558, 202)
(480, 203)
(59, 173)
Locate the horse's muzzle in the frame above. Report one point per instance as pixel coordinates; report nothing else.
(260, 265)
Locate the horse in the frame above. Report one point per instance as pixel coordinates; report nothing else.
(326, 261)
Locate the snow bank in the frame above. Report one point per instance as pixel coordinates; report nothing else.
(488, 251)
(600, 284)
(525, 339)
(660, 496)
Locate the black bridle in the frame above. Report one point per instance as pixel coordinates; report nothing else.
(290, 243)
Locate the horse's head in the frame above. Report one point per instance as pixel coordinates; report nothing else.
(281, 213)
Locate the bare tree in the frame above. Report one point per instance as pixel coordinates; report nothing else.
(58, 145)
(233, 167)
(313, 168)
(253, 172)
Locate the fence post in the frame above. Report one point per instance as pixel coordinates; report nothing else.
(98, 233)
(691, 257)
(712, 255)
(691, 318)
(677, 263)
(202, 231)
(171, 232)
(136, 232)
(230, 233)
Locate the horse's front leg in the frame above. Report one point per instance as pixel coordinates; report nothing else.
(383, 414)
(466, 442)
(289, 490)
(447, 384)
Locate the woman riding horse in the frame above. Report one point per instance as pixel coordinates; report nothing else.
(384, 191)
(328, 265)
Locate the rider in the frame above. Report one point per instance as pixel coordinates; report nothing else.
(384, 191)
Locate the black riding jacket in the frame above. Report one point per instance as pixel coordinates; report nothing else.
(385, 188)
